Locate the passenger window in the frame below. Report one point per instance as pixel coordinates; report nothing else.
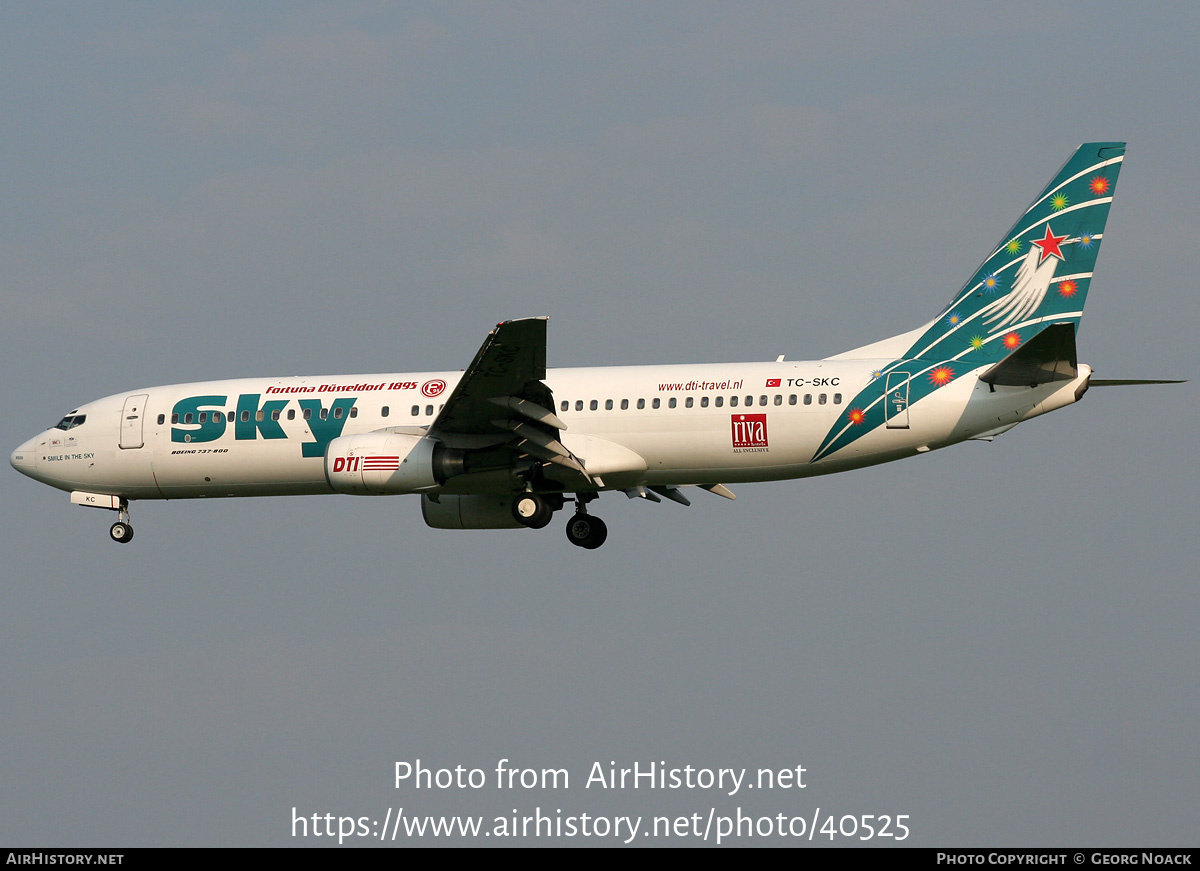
(641, 403)
(779, 399)
(337, 413)
(291, 414)
(821, 399)
(308, 414)
(837, 399)
(275, 414)
(174, 418)
(245, 416)
(324, 414)
(203, 417)
(416, 410)
(671, 402)
(624, 405)
(749, 401)
(385, 411)
(719, 401)
(579, 405)
(218, 417)
(704, 402)
(187, 418)
(594, 404)
(690, 401)
(762, 400)
(656, 403)
(353, 412)
(608, 405)
(260, 415)
(565, 405)
(429, 409)
(162, 418)
(792, 399)
(733, 401)
(808, 399)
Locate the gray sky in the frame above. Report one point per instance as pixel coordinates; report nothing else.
(997, 640)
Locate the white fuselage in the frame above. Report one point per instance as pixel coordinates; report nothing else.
(691, 424)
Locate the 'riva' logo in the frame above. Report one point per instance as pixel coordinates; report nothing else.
(749, 430)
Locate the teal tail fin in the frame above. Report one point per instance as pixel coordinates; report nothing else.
(1039, 273)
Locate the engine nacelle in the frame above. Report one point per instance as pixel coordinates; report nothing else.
(470, 512)
(379, 463)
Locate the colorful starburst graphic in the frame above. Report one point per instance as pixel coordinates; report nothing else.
(990, 283)
(954, 319)
(878, 373)
(976, 342)
(1099, 185)
(1011, 340)
(1058, 202)
(1013, 246)
(1086, 240)
(856, 416)
(941, 375)
(1068, 288)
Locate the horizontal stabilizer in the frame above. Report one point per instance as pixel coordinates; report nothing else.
(1121, 382)
(1048, 356)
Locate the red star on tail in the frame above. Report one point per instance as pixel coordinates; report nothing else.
(1049, 246)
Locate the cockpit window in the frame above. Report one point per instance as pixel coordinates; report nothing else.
(71, 421)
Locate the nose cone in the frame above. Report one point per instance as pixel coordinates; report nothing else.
(24, 458)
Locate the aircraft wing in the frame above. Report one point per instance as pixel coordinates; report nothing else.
(502, 397)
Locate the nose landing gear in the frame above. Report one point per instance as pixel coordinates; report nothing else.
(122, 530)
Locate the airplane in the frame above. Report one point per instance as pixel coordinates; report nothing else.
(506, 443)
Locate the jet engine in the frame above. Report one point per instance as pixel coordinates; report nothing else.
(380, 463)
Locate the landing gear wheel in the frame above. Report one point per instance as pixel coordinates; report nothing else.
(584, 530)
(121, 532)
(532, 510)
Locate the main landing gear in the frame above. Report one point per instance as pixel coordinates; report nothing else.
(536, 510)
(533, 510)
(584, 530)
(122, 531)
